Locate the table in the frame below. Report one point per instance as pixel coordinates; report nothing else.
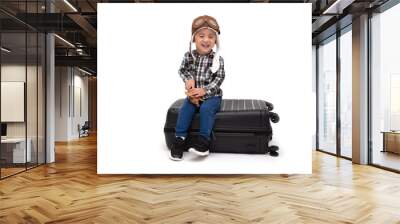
(16, 147)
(391, 141)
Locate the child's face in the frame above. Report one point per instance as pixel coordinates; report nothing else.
(205, 40)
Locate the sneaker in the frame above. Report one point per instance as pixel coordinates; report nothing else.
(177, 149)
(201, 146)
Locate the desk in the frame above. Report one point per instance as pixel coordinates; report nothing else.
(15, 148)
(391, 141)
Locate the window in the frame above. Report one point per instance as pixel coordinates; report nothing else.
(327, 96)
(385, 88)
(346, 93)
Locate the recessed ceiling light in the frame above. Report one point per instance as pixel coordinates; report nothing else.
(338, 6)
(64, 40)
(70, 5)
(84, 71)
(5, 49)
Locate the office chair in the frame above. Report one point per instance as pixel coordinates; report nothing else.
(84, 130)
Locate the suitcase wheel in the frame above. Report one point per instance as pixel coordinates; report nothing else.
(270, 106)
(274, 117)
(273, 150)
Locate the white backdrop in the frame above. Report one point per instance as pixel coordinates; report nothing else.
(267, 54)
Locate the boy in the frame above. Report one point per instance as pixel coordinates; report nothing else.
(202, 70)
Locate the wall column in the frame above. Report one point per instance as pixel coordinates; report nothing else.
(360, 90)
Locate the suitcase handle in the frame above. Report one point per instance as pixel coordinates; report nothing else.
(270, 106)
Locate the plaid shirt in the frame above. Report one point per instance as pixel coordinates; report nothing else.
(200, 70)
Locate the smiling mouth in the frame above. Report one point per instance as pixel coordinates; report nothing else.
(205, 45)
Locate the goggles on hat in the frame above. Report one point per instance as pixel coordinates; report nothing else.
(200, 21)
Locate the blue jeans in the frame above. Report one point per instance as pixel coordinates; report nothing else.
(208, 110)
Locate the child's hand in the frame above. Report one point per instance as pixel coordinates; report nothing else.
(193, 100)
(197, 92)
(189, 84)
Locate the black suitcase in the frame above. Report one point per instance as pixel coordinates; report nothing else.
(241, 126)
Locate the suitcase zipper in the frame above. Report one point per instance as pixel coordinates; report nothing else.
(256, 131)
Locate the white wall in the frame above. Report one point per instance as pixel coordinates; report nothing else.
(12, 73)
(61, 103)
(70, 83)
(80, 84)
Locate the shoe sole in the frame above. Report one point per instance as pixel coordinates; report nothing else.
(198, 152)
(174, 158)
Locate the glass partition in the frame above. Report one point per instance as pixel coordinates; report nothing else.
(41, 86)
(14, 154)
(32, 96)
(327, 96)
(33, 72)
(22, 67)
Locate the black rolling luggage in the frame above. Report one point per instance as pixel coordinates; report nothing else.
(241, 126)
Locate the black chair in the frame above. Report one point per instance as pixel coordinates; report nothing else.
(84, 130)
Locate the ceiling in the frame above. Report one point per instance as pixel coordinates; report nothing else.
(76, 22)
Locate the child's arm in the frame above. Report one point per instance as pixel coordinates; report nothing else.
(185, 71)
(217, 81)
